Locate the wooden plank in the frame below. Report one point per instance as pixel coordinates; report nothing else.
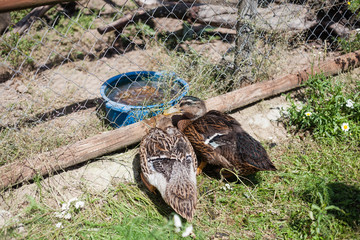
(107, 142)
(12, 5)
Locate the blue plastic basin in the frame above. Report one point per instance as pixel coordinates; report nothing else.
(119, 114)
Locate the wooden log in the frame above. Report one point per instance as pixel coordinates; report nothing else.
(262, 90)
(12, 5)
(25, 23)
(63, 157)
(107, 142)
(122, 22)
(207, 14)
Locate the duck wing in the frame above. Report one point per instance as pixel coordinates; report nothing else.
(222, 136)
(212, 138)
(252, 152)
(168, 162)
(160, 149)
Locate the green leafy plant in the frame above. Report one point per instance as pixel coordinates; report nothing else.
(17, 49)
(78, 23)
(319, 216)
(328, 109)
(144, 30)
(139, 33)
(18, 15)
(322, 212)
(351, 44)
(204, 35)
(354, 5)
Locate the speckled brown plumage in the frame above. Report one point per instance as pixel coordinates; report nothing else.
(168, 162)
(219, 139)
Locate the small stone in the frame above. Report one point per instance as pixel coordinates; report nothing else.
(5, 73)
(5, 21)
(22, 88)
(5, 216)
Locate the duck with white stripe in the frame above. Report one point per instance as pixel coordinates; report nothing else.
(219, 139)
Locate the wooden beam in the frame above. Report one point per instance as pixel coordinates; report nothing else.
(12, 5)
(50, 162)
(26, 22)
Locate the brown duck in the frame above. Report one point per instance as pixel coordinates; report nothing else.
(219, 139)
(168, 164)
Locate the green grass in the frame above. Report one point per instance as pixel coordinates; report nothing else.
(16, 16)
(351, 44)
(80, 22)
(17, 50)
(354, 6)
(328, 104)
(314, 194)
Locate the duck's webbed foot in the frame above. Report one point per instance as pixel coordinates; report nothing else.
(147, 184)
(200, 167)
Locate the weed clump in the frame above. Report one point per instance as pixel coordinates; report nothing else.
(329, 109)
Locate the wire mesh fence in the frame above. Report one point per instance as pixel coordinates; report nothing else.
(54, 63)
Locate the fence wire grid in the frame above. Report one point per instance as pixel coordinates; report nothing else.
(54, 63)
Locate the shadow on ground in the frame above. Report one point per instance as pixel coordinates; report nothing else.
(343, 196)
(220, 174)
(347, 198)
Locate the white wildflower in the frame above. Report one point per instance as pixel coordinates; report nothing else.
(79, 204)
(64, 206)
(60, 214)
(308, 114)
(350, 103)
(227, 187)
(72, 200)
(187, 231)
(177, 223)
(67, 216)
(345, 127)
(59, 225)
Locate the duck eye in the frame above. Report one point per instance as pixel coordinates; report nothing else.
(185, 103)
(188, 159)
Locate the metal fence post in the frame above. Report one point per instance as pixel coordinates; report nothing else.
(245, 39)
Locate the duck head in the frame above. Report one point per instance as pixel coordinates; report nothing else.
(190, 107)
(164, 122)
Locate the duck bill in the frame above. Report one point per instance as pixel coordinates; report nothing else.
(172, 110)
